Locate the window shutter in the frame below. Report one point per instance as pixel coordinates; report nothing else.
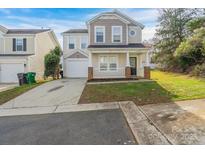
(14, 44)
(24, 45)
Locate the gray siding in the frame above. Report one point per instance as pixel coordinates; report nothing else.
(138, 37)
(108, 23)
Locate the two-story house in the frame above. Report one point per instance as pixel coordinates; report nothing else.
(114, 50)
(23, 50)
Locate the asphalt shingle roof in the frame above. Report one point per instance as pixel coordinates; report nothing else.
(26, 31)
(76, 31)
(133, 45)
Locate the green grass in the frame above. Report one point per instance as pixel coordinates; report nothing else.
(181, 87)
(12, 93)
(165, 87)
(140, 93)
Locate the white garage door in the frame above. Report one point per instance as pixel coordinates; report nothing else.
(8, 72)
(76, 68)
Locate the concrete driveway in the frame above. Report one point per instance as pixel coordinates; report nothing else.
(93, 127)
(4, 87)
(54, 93)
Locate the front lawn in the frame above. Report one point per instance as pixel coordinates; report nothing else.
(7, 95)
(182, 87)
(165, 87)
(141, 93)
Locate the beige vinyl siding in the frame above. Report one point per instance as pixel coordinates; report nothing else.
(44, 44)
(138, 37)
(1, 45)
(108, 23)
(77, 37)
(9, 44)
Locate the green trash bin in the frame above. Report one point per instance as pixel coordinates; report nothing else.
(31, 77)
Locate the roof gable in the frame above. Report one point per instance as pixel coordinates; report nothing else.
(77, 54)
(119, 15)
(3, 29)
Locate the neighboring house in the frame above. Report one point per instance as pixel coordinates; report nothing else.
(23, 50)
(114, 50)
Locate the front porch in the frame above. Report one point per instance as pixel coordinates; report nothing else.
(118, 65)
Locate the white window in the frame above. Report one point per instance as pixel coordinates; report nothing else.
(108, 63)
(19, 44)
(116, 34)
(132, 33)
(71, 44)
(84, 42)
(99, 34)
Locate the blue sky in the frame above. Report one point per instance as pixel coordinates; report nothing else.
(62, 19)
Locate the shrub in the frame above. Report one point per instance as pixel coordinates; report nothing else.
(52, 61)
(199, 70)
(192, 51)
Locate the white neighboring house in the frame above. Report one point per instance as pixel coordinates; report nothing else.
(75, 54)
(23, 50)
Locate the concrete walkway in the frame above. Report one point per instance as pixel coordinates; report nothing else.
(126, 81)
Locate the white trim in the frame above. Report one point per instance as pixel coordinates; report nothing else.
(106, 55)
(127, 29)
(21, 44)
(88, 34)
(77, 59)
(138, 63)
(90, 60)
(103, 34)
(120, 34)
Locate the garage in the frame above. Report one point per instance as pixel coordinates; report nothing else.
(9, 71)
(76, 67)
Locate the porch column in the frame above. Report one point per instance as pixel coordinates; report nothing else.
(147, 59)
(147, 68)
(127, 68)
(90, 66)
(127, 59)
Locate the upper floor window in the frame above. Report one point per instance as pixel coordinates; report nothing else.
(116, 34)
(71, 44)
(84, 42)
(19, 44)
(99, 34)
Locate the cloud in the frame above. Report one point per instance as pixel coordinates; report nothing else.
(148, 33)
(144, 15)
(58, 25)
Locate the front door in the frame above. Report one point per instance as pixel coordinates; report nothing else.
(133, 65)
